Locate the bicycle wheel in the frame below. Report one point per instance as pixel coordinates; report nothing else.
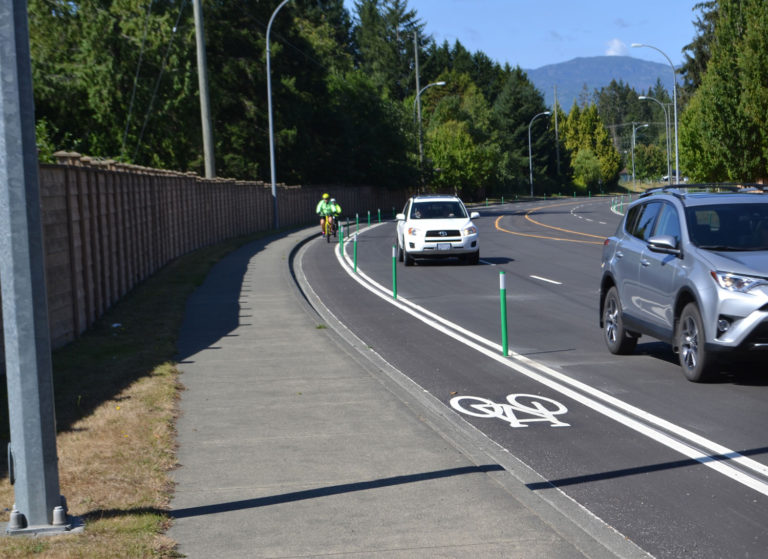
(475, 406)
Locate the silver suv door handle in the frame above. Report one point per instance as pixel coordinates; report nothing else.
(645, 263)
(619, 254)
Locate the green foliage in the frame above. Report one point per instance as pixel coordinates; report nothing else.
(517, 104)
(118, 79)
(584, 130)
(586, 168)
(650, 161)
(697, 52)
(464, 165)
(725, 122)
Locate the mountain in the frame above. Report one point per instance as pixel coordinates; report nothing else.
(597, 72)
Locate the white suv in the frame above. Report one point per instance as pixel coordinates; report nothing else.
(437, 226)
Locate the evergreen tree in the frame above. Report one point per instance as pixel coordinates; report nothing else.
(697, 53)
(724, 126)
(518, 102)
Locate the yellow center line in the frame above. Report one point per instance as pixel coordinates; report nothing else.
(529, 218)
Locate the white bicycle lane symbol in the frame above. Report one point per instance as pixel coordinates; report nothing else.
(541, 408)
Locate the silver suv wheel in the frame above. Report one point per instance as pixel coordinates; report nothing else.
(697, 363)
(618, 340)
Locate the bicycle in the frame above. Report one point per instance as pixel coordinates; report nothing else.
(328, 227)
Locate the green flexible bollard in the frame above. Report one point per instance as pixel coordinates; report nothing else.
(503, 301)
(394, 271)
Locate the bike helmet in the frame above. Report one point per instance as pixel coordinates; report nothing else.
(325, 196)
(333, 200)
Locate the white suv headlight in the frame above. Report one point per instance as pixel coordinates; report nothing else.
(471, 230)
(736, 282)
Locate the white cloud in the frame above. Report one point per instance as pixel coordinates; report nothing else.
(616, 47)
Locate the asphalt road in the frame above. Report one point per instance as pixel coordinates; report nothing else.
(679, 468)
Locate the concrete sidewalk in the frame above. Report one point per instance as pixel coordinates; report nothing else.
(295, 443)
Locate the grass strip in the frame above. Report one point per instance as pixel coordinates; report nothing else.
(116, 392)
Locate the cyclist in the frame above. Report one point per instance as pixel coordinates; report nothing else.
(324, 209)
(336, 214)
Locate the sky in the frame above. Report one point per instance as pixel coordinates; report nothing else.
(535, 33)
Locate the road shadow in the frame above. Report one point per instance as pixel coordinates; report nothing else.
(638, 470)
(332, 490)
(745, 370)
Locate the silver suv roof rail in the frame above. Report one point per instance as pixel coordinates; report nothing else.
(680, 190)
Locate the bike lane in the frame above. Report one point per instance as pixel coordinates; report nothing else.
(649, 492)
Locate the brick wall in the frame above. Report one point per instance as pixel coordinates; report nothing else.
(108, 226)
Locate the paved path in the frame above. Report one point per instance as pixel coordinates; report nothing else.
(294, 443)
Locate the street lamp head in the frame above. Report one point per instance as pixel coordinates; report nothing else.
(546, 113)
(635, 45)
(641, 97)
(439, 83)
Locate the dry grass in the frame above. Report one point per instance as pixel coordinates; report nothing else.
(116, 402)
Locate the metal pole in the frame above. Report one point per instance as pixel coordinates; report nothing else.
(557, 136)
(271, 124)
(205, 103)
(418, 106)
(666, 132)
(633, 156)
(530, 157)
(674, 100)
(634, 128)
(33, 464)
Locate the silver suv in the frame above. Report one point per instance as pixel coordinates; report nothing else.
(689, 265)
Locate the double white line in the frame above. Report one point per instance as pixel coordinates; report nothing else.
(728, 462)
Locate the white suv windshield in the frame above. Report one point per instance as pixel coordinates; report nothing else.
(729, 227)
(437, 210)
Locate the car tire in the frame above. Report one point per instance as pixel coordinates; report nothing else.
(618, 340)
(474, 258)
(399, 250)
(697, 363)
(407, 259)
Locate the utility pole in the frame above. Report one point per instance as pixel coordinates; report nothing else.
(33, 462)
(557, 137)
(205, 103)
(418, 107)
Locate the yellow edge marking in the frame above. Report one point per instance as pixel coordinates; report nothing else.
(527, 216)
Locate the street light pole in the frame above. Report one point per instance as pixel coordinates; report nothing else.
(271, 125)
(417, 108)
(666, 131)
(674, 101)
(530, 157)
(205, 103)
(634, 129)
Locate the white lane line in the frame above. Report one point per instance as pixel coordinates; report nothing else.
(713, 455)
(547, 280)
